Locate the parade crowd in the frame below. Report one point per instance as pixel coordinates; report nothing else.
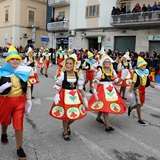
(76, 68)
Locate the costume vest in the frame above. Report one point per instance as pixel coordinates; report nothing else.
(125, 67)
(106, 78)
(3, 80)
(69, 85)
(137, 84)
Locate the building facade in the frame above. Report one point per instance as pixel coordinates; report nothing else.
(91, 25)
(22, 22)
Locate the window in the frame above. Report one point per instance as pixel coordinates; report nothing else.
(62, 14)
(92, 11)
(31, 16)
(128, 6)
(6, 14)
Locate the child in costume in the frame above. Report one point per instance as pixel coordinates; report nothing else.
(139, 83)
(46, 58)
(60, 57)
(40, 63)
(105, 98)
(89, 65)
(70, 100)
(123, 66)
(30, 60)
(15, 97)
(100, 55)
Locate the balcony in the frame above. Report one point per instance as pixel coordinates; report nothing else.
(136, 20)
(58, 3)
(30, 24)
(58, 26)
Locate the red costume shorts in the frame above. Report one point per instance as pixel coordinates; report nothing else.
(12, 109)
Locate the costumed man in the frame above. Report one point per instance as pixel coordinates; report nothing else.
(40, 63)
(69, 100)
(46, 58)
(139, 83)
(15, 97)
(125, 66)
(89, 65)
(30, 60)
(105, 98)
(60, 57)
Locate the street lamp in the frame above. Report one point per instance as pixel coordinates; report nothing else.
(33, 35)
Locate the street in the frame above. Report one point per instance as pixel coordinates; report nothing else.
(89, 141)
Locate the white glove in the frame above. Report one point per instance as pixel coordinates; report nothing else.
(5, 86)
(116, 80)
(56, 99)
(80, 87)
(86, 67)
(85, 102)
(95, 94)
(157, 86)
(129, 96)
(124, 73)
(28, 106)
(28, 63)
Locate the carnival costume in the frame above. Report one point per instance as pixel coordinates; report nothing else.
(15, 97)
(60, 57)
(46, 58)
(108, 99)
(40, 63)
(125, 66)
(70, 106)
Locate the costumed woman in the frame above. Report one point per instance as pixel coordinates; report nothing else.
(70, 100)
(105, 98)
(15, 98)
(139, 83)
(89, 66)
(46, 59)
(125, 66)
(30, 60)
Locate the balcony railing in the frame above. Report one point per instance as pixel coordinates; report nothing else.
(57, 26)
(58, 3)
(136, 19)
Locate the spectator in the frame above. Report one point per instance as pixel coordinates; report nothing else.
(158, 9)
(149, 9)
(135, 10)
(154, 9)
(52, 19)
(144, 10)
(123, 11)
(113, 13)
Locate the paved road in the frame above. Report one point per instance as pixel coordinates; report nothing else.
(43, 134)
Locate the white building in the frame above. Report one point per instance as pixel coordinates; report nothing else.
(91, 25)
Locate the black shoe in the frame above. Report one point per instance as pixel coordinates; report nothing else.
(46, 75)
(32, 97)
(66, 138)
(129, 110)
(142, 122)
(100, 121)
(21, 154)
(109, 129)
(4, 139)
(91, 92)
(41, 72)
(69, 131)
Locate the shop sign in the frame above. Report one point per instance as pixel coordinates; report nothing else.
(154, 37)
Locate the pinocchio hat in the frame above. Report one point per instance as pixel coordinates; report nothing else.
(90, 54)
(141, 62)
(12, 53)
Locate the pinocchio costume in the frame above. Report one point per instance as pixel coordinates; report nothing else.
(141, 80)
(60, 57)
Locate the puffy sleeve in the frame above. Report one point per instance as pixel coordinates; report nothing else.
(58, 79)
(119, 67)
(80, 80)
(115, 74)
(97, 75)
(130, 66)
